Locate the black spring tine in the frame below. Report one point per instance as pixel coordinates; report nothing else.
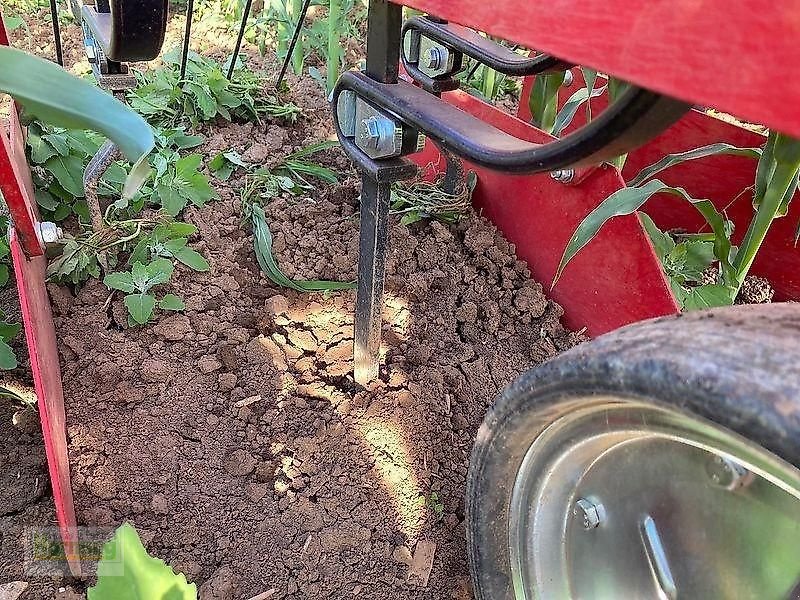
(187, 34)
(293, 43)
(238, 47)
(56, 32)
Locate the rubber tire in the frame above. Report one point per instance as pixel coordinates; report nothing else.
(138, 28)
(738, 367)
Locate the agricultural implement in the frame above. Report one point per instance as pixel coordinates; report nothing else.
(659, 460)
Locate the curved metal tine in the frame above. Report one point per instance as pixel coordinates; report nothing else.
(483, 49)
(187, 34)
(298, 28)
(637, 116)
(56, 32)
(238, 47)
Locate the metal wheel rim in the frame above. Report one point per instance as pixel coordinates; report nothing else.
(578, 440)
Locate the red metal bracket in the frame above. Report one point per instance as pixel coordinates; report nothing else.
(27, 253)
(617, 280)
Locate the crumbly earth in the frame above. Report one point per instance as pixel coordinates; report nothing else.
(232, 434)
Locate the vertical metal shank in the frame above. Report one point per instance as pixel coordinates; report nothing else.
(373, 235)
(383, 58)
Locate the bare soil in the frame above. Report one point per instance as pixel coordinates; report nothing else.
(233, 436)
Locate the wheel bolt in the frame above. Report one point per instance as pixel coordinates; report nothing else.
(592, 514)
(562, 175)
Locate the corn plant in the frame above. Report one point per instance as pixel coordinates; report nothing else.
(291, 176)
(776, 182)
(141, 576)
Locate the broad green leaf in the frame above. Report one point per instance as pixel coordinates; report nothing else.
(140, 307)
(630, 199)
(59, 142)
(120, 281)
(159, 271)
(192, 259)
(128, 572)
(670, 160)
(68, 171)
(708, 296)
(8, 331)
(45, 199)
(8, 360)
(174, 245)
(54, 96)
(40, 149)
(4, 275)
(140, 276)
(172, 202)
(187, 166)
(171, 302)
(199, 190)
(180, 229)
(140, 254)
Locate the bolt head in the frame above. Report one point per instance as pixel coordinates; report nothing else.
(432, 59)
(569, 78)
(50, 232)
(589, 513)
(562, 175)
(369, 132)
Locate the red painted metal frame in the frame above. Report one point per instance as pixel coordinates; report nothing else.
(616, 281)
(27, 253)
(725, 180)
(739, 56)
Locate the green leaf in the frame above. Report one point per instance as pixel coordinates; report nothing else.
(8, 331)
(670, 160)
(262, 242)
(630, 199)
(128, 572)
(199, 190)
(45, 199)
(171, 302)
(571, 106)
(172, 202)
(708, 296)
(140, 307)
(159, 271)
(40, 149)
(192, 259)
(140, 276)
(119, 281)
(54, 96)
(8, 360)
(663, 244)
(140, 253)
(68, 171)
(180, 229)
(187, 166)
(4, 275)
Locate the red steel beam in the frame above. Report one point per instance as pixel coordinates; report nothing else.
(739, 56)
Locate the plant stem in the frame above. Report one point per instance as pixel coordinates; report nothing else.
(297, 54)
(766, 213)
(334, 43)
(544, 100)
